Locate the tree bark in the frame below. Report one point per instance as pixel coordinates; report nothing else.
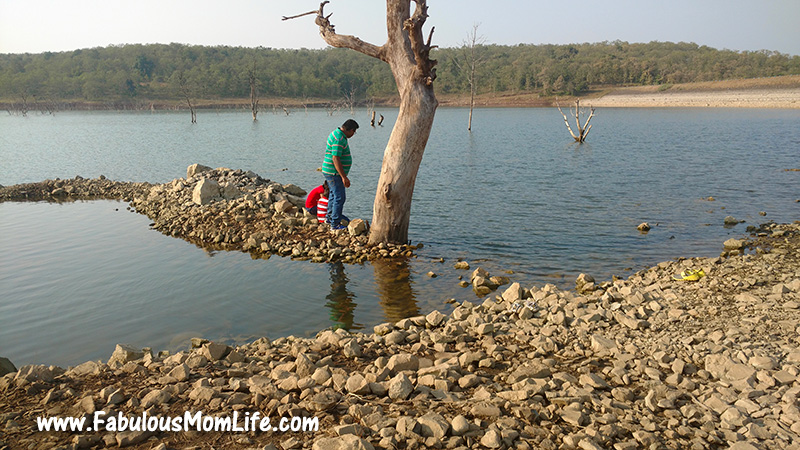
(408, 56)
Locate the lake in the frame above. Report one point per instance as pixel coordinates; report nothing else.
(514, 195)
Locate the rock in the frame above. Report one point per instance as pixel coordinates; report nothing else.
(434, 318)
(532, 370)
(585, 283)
(513, 293)
(461, 265)
(155, 398)
(229, 191)
(402, 362)
(292, 189)
(492, 439)
(181, 372)
(346, 442)
(357, 384)
(733, 244)
(205, 192)
(459, 425)
(357, 227)
(194, 169)
(351, 349)
(400, 387)
(433, 425)
(215, 352)
(128, 438)
(123, 354)
(6, 366)
(87, 368)
(730, 220)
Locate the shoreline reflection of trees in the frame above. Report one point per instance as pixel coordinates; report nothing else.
(393, 283)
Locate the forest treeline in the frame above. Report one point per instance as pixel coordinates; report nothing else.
(169, 72)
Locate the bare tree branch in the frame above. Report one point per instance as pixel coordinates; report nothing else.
(566, 122)
(301, 15)
(328, 33)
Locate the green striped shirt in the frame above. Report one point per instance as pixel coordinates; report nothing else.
(337, 146)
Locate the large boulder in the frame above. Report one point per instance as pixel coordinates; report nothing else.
(194, 169)
(357, 227)
(205, 192)
(125, 353)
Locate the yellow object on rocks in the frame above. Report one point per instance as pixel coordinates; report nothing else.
(690, 275)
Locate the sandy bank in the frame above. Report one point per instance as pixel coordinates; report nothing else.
(735, 98)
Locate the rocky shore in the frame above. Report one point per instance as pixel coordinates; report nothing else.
(224, 209)
(649, 362)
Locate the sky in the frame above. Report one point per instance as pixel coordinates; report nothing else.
(36, 26)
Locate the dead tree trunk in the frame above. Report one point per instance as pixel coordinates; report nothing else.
(408, 56)
(251, 75)
(471, 61)
(583, 130)
(184, 87)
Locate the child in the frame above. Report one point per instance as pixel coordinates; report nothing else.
(322, 205)
(313, 197)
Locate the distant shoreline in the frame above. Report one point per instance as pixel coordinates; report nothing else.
(774, 92)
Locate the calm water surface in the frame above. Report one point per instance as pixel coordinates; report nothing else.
(514, 194)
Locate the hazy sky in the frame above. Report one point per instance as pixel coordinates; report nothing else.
(35, 26)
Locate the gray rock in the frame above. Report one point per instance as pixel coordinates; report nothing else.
(400, 387)
(215, 352)
(125, 353)
(346, 442)
(351, 349)
(87, 368)
(435, 318)
(433, 425)
(357, 384)
(194, 169)
(459, 425)
(206, 191)
(513, 293)
(492, 439)
(181, 372)
(733, 244)
(156, 397)
(532, 370)
(357, 227)
(402, 362)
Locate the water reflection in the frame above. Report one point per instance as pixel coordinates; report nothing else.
(340, 299)
(393, 282)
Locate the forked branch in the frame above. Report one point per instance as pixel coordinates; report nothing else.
(583, 130)
(328, 33)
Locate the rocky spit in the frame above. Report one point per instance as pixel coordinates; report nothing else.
(647, 362)
(224, 209)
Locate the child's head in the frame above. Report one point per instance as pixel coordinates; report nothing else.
(325, 189)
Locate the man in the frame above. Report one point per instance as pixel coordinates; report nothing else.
(335, 167)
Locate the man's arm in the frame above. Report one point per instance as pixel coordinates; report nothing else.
(339, 168)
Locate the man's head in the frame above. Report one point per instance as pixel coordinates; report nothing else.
(349, 127)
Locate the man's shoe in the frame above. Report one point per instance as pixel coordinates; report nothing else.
(337, 227)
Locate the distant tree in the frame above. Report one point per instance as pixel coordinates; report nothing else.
(186, 91)
(253, 81)
(469, 61)
(145, 66)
